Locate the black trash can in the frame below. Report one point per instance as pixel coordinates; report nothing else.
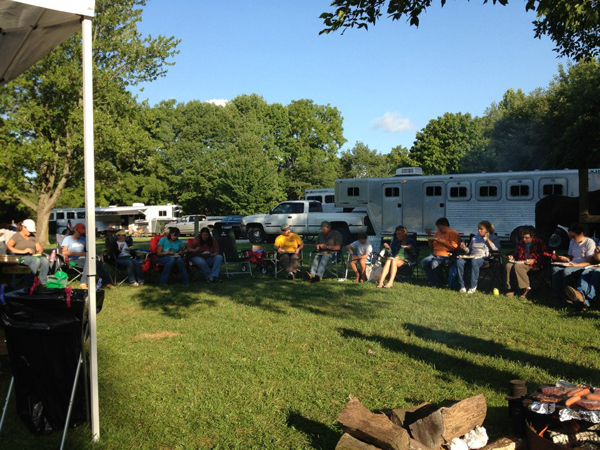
(44, 333)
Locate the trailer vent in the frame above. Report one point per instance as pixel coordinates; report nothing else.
(407, 171)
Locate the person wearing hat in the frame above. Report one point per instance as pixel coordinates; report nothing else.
(329, 242)
(24, 244)
(73, 247)
(288, 246)
(126, 258)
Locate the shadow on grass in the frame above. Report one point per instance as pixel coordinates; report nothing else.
(487, 347)
(446, 365)
(321, 436)
(174, 300)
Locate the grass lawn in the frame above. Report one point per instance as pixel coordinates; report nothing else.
(264, 363)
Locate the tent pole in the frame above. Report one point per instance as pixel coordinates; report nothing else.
(90, 215)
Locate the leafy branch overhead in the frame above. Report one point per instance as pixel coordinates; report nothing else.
(573, 25)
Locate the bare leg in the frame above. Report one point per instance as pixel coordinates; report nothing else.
(384, 272)
(353, 265)
(395, 265)
(363, 270)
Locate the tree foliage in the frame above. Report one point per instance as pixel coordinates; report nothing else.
(573, 25)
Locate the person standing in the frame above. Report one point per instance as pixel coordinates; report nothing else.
(24, 244)
(288, 246)
(329, 242)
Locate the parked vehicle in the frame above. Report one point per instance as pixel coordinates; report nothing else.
(186, 224)
(324, 195)
(506, 199)
(304, 218)
(230, 223)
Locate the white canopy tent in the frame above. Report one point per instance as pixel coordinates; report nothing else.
(29, 30)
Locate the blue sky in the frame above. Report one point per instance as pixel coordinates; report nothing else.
(388, 82)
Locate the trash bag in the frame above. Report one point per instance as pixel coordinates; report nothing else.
(44, 339)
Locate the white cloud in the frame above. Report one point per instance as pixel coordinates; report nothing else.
(218, 101)
(393, 122)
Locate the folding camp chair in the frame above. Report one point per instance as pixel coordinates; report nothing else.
(111, 253)
(540, 274)
(275, 260)
(333, 268)
(240, 260)
(71, 267)
(492, 269)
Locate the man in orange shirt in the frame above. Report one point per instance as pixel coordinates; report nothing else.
(443, 243)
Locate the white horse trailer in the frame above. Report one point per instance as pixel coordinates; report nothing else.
(506, 199)
(324, 195)
(137, 218)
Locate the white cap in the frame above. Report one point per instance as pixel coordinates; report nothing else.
(30, 225)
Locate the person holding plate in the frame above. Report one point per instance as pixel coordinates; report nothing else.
(169, 252)
(588, 285)
(444, 243)
(404, 253)
(579, 255)
(206, 255)
(527, 254)
(288, 246)
(24, 244)
(478, 250)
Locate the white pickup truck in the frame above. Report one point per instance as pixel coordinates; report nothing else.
(304, 218)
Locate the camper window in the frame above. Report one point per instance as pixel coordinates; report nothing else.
(433, 191)
(329, 199)
(162, 213)
(353, 192)
(392, 192)
(552, 189)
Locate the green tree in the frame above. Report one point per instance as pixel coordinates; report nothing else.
(446, 143)
(42, 108)
(398, 157)
(573, 25)
(362, 162)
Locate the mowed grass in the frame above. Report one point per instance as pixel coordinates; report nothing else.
(268, 364)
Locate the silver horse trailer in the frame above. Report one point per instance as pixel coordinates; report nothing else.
(506, 199)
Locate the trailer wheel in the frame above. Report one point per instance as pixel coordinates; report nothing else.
(256, 235)
(558, 239)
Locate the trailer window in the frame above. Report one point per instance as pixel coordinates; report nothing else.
(353, 192)
(433, 191)
(519, 189)
(488, 191)
(162, 213)
(81, 215)
(313, 198)
(70, 215)
(552, 189)
(459, 190)
(392, 192)
(60, 216)
(329, 199)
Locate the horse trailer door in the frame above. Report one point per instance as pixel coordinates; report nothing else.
(434, 203)
(391, 212)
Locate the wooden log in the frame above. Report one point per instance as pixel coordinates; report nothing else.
(375, 429)
(405, 416)
(347, 442)
(416, 445)
(506, 443)
(445, 424)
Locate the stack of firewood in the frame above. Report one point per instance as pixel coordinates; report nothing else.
(423, 427)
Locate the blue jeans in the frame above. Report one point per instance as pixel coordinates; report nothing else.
(100, 272)
(134, 269)
(473, 267)
(211, 267)
(588, 285)
(169, 262)
(432, 266)
(563, 277)
(320, 263)
(36, 264)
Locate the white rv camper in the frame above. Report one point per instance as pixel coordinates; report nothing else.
(324, 195)
(507, 199)
(137, 218)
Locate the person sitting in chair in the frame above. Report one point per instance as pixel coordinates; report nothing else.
(479, 249)
(24, 244)
(527, 254)
(444, 243)
(329, 242)
(288, 246)
(204, 252)
(169, 253)
(126, 258)
(580, 254)
(588, 285)
(73, 247)
(359, 252)
(404, 252)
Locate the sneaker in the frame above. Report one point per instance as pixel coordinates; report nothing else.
(462, 290)
(575, 296)
(471, 291)
(290, 276)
